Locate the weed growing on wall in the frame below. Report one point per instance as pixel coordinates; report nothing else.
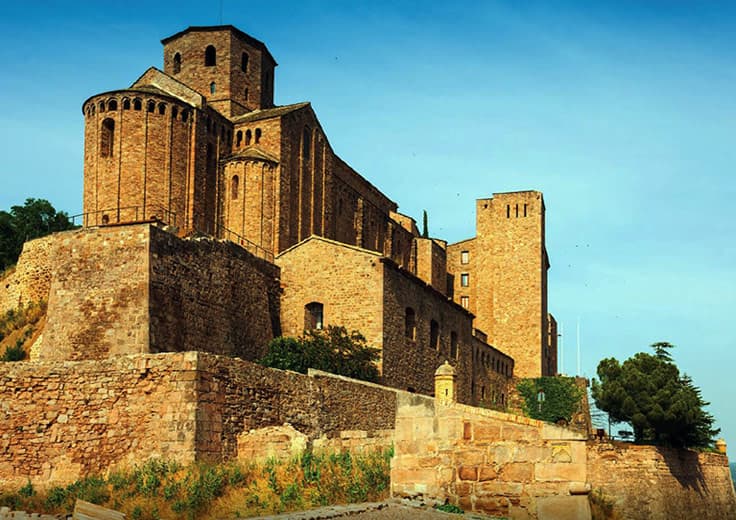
(559, 399)
(162, 489)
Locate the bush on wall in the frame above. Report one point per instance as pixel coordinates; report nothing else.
(562, 398)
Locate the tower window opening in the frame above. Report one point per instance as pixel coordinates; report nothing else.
(313, 316)
(258, 135)
(434, 335)
(151, 106)
(177, 63)
(107, 137)
(244, 62)
(162, 108)
(525, 210)
(137, 104)
(126, 104)
(238, 138)
(248, 136)
(410, 324)
(112, 105)
(234, 187)
(508, 211)
(210, 56)
(213, 88)
(517, 211)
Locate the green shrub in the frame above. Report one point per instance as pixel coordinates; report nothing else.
(562, 398)
(450, 508)
(14, 352)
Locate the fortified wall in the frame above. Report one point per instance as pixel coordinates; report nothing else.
(63, 420)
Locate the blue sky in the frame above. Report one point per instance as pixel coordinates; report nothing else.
(622, 113)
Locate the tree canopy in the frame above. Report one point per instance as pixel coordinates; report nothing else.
(36, 218)
(648, 392)
(332, 349)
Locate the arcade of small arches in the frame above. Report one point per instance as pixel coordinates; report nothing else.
(247, 137)
(136, 103)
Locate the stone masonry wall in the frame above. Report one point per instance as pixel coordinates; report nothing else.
(98, 301)
(210, 296)
(485, 461)
(651, 483)
(32, 276)
(237, 396)
(60, 421)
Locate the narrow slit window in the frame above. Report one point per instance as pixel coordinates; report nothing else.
(434, 335)
(238, 138)
(508, 211)
(107, 137)
(517, 211)
(234, 187)
(248, 136)
(525, 210)
(258, 135)
(410, 324)
(244, 62)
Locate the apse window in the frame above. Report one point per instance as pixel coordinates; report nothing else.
(313, 316)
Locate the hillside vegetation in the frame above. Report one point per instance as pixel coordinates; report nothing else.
(160, 489)
(19, 328)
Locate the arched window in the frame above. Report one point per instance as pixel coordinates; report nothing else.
(126, 104)
(210, 56)
(313, 316)
(434, 335)
(238, 138)
(410, 324)
(112, 104)
(213, 88)
(453, 345)
(258, 135)
(184, 115)
(247, 137)
(177, 63)
(244, 62)
(234, 187)
(137, 105)
(151, 106)
(107, 137)
(174, 112)
(162, 108)
(102, 106)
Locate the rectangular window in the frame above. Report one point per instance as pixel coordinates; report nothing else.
(464, 280)
(464, 257)
(464, 301)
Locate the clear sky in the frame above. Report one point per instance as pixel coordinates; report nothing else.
(622, 113)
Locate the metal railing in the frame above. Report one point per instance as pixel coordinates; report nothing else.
(253, 248)
(125, 215)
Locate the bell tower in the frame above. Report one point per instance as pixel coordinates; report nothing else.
(233, 70)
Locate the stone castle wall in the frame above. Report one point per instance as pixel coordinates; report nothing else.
(31, 279)
(137, 288)
(653, 483)
(60, 421)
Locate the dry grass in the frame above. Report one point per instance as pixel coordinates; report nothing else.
(160, 489)
(19, 328)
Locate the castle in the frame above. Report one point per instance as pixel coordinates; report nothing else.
(215, 221)
(201, 146)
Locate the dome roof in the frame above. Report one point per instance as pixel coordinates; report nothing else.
(446, 369)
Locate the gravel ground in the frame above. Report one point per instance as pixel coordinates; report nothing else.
(375, 511)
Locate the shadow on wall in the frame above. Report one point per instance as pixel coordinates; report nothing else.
(685, 467)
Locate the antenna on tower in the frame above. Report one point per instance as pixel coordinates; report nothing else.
(221, 1)
(578, 333)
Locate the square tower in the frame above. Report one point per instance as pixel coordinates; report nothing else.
(233, 70)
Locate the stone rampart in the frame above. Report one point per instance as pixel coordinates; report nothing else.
(486, 461)
(653, 483)
(62, 420)
(30, 280)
